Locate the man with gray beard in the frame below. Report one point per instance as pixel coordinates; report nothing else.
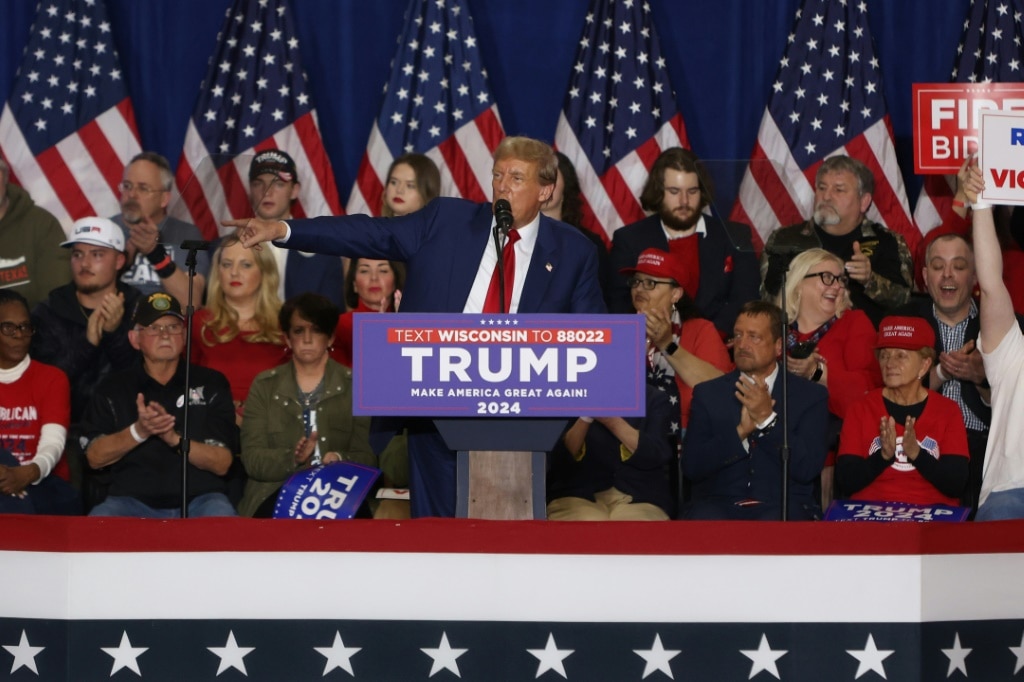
(878, 261)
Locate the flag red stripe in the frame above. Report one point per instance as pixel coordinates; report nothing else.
(622, 198)
(105, 159)
(370, 187)
(70, 193)
(236, 190)
(460, 169)
(771, 185)
(490, 129)
(192, 194)
(309, 136)
(884, 197)
(649, 152)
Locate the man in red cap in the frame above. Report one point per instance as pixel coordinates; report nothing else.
(903, 442)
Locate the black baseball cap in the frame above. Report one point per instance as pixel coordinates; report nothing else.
(275, 162)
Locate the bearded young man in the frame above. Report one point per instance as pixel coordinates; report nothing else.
(719, 255)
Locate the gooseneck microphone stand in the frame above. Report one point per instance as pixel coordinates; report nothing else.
(192, 246)
(786, 249)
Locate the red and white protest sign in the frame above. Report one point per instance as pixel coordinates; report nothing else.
(947, 118)
(1001, 157)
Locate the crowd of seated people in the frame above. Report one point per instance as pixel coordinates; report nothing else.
(886, 386)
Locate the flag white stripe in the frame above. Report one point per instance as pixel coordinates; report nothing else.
(28, 171)
(782, 589)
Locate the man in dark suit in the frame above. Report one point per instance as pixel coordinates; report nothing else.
(273, 188)
(451, 258)
(719, 256)
(732, 448)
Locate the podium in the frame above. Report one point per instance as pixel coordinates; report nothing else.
(500, 390)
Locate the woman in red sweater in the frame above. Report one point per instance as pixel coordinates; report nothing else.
(828, 342)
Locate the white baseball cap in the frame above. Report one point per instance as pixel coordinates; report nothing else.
(96, 231)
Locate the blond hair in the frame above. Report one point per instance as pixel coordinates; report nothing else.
(223, 323)
(798, 269)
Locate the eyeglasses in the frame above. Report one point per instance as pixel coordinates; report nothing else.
(172, 329)
(645, 284)
(11, 329)
(828, 279)
(129, 187)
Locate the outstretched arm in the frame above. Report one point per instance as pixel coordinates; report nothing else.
(997, 316)
(254, 231)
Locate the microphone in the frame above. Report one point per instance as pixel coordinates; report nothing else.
(195, 245)
(503, 215)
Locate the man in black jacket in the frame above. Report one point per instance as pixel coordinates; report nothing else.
(722, 271)
(82, 327)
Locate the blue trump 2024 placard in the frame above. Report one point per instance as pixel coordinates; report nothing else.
(462, 365)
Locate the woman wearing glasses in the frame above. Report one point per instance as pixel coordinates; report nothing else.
(612, 468)
(828, 342)
(35, 400)
(237, 333)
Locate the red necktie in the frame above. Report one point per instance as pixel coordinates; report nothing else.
(508, 256)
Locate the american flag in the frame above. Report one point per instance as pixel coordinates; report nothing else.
(990, 51)
(826, 100)
(254, 97)
(437, 103)
(619, 112)
(68, 129)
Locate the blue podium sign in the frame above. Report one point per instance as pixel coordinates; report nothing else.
(461, 365)
(857, 510)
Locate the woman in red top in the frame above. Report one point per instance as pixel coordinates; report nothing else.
(371, 286)
(237, 333)
(904, 443)
(828, 342)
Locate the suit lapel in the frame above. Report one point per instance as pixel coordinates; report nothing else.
(462, 278)
(542, 268)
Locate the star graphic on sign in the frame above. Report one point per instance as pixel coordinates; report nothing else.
(445, 657)
(764, 658)
(551, 657)
(231, 655)
(1018, 651)
(24, 654)
(657, 658)
(870, 658)
(338, 655)
(125, 655)
(957, 657)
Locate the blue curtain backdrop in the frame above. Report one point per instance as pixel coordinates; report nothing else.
(722, 57)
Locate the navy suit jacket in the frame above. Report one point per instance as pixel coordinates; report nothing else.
(729, 272)
(442, 244)
(719, 467)
(317, 273)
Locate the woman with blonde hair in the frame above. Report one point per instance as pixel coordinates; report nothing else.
(828, 342)
(237, 333)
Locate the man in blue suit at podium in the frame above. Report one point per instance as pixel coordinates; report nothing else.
(451, 261)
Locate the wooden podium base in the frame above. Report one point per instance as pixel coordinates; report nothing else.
(501, 485)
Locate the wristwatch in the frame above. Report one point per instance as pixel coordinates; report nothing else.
(671, 348)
